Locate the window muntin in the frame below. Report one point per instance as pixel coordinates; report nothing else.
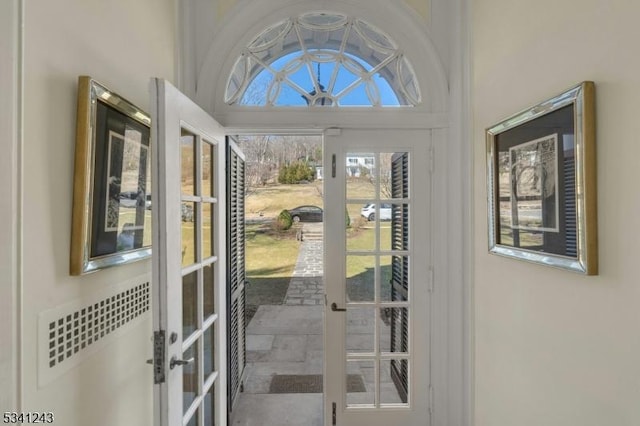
(322, 59)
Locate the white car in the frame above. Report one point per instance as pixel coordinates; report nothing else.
(369, 211)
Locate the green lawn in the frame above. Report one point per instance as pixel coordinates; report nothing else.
(271, 254)
(361, 268)
(270, 200)
(270, 260)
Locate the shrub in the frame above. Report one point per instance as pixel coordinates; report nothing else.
(284, 220)
(296, 173)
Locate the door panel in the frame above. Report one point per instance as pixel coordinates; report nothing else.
(377, 336)
(189, 266)
(236, 296)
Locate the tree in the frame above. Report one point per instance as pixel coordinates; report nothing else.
(259, 161)
(385, 175)
(266, 155)
(295, 173)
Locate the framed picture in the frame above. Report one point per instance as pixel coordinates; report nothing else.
(541, 178)
(111, 222)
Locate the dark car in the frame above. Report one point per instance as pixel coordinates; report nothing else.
(306, 214)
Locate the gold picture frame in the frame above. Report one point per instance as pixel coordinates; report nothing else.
(541, 182)
(111, 216)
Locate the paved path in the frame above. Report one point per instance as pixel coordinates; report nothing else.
(305, 287)
(287, 339)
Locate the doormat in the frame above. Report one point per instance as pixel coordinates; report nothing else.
(310, 383)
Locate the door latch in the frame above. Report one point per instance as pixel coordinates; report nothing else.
(158, 357)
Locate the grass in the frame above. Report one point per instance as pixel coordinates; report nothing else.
(270, 260)
(271, 255)
(270, 200)
(358, 188)
(361, 268)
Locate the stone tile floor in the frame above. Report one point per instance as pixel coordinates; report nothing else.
(281, 339)
(288, 339)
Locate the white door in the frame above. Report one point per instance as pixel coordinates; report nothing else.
(377, 277)
(189, 264)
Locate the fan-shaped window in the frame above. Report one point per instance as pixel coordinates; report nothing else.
(322, 59)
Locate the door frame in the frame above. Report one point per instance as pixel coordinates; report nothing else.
(442, 47)
(11, 84)
(451, 342)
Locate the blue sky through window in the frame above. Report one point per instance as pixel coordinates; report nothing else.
(283, 64)
(350, 70)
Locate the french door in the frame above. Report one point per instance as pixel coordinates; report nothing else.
(377, 318)
(189, 262)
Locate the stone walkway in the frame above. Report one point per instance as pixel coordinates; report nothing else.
(306, 286)
(287, 339)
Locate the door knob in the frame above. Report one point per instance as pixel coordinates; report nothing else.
(334, 308)
(174, 361)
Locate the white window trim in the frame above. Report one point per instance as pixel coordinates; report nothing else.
(244, 20)
(305, 57)
(11, 52)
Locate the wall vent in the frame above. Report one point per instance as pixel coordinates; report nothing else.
(70, 333)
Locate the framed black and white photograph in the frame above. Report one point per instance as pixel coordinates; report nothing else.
(541, 183)
(111, 222)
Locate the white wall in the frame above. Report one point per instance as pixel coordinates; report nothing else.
(122, 44)
(553, 347)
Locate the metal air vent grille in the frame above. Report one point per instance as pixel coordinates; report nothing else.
(67, 333)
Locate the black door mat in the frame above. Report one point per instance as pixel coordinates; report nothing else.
(310, 383)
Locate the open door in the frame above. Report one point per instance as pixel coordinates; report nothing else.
(189, 262)
(377, 322)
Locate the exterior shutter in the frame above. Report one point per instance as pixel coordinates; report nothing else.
(400, 271)
(236, 343)
(571, 228)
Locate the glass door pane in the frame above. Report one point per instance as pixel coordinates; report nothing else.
(377, 320)
(377, 325)
(198, 211)
(189, 343)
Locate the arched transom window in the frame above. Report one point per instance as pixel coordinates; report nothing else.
(322, 59)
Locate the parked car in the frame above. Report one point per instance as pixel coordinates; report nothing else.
(306, 214)
(369, 211)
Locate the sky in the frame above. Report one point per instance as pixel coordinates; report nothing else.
(350, 70)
